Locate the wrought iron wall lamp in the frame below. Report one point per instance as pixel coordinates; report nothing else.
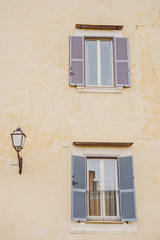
(18, 138)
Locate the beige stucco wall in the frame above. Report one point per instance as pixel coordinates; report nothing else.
(35, 95)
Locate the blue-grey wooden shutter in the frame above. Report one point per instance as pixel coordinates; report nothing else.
(121, 62)
(76, 61)
(127, 189)
(78, 206)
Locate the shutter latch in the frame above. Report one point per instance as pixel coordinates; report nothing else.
(73, 182)
(71, 73)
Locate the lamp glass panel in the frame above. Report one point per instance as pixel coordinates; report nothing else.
(23, 139)
(17, 140)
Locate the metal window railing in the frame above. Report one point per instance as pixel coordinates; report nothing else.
(103, 204)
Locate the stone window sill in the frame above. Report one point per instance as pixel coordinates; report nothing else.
(99, 89)
(90, 227)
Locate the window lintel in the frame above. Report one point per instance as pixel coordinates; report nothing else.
(108, 38)
(103, 144)
(98, 27)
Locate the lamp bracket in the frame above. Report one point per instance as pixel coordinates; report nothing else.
(20, 163)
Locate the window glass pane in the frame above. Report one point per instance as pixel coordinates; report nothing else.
(94, 193)
(109, 174)
(110, 187)
(91, 62)
(106, 62)
(94, 175)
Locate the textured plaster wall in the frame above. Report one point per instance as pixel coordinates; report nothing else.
(34, 94)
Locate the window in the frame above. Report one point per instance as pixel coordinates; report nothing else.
(103, 189)
(99, 61)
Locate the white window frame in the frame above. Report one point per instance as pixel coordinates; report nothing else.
(98, 40)
(102, 199)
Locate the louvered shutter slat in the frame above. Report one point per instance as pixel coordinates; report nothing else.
(76, 61)
(78, 188)
(122, 62)
(127, 189)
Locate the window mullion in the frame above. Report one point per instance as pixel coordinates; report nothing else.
(99, 62)
(102, 188)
